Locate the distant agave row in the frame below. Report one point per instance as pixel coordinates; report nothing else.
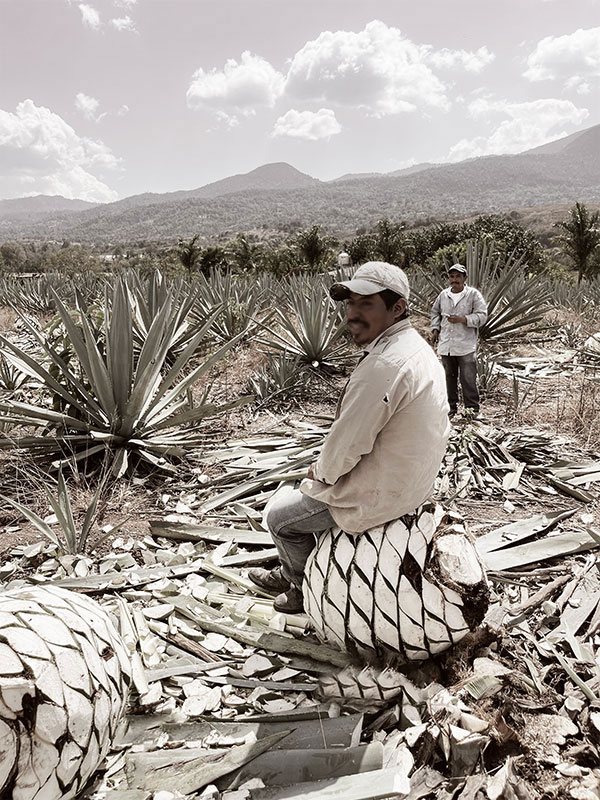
(64, 679)
(400, 592)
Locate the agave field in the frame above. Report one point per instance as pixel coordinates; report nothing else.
(146, 421)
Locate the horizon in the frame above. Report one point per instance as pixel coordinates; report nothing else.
(347, 176)
(173, 96)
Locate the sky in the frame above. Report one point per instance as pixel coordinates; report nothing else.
(104, 99)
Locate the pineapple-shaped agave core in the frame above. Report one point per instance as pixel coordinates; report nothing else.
(64, 678)
(399, 592)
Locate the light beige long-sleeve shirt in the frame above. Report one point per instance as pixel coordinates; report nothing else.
(385, 447)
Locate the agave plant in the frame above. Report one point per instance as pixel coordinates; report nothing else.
(239, 300)
(11, 377)
(35, 294)
(488, 377)
(148, 294)
(283, 376)
(27, 293)
(582, 299)
(72, 537)
(126, 402)
(309, 328)
(515, 301)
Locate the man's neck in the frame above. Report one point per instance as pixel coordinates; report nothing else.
(391, 329)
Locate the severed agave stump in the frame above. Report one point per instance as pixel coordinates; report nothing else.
(64, 679)
(400, 592)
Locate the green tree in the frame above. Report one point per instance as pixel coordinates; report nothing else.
(211, 257)
(313, 247)
(276, 258)
(580, 239)
(189, 252)
(72, 259)
(427, 241)
(508, 237)
(361, 248)
(390, 242)
(242, 253)
(14, 256)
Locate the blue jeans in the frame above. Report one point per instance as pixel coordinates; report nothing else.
(465, 368)
(293, 521)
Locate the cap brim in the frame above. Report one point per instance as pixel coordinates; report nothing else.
(340, 291)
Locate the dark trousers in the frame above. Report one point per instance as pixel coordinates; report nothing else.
(465, 369)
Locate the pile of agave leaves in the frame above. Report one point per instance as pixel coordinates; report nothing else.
(238, 701)
(233, 700)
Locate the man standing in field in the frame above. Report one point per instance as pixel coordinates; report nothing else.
(457, 314)
(385, 447)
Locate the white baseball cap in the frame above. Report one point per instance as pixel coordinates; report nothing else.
(373, 277)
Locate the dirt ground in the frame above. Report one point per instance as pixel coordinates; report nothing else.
(543, 384)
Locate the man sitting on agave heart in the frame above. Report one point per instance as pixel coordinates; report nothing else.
(386, 444)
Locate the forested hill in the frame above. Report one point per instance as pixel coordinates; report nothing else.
(40, 205)
(278, 197)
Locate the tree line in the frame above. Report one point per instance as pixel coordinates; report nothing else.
(576, 246)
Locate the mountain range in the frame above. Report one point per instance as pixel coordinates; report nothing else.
(278, 197)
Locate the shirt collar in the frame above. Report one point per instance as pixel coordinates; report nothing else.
(395, 328)
(448, 290)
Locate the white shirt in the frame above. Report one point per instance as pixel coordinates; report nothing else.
(456, 296)
(457, 338)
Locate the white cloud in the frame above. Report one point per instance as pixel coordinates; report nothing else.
(41, 154)
(124, 24)
(377, 69)
(87, 105)
(321, 124)
(238, 87)
(524, 125)
(89, 108)
(580, 85)
(89, 16)
(573, 58)
(125, 3)
(467, 59)
(225, 120)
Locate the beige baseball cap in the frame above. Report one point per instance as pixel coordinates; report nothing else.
(373, 277)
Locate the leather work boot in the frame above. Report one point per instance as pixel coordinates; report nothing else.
(270, 580)
(290, 602)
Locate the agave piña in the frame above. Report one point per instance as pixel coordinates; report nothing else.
(64, 678)
(400, 592)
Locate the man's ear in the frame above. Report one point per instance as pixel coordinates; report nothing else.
(399, 307)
